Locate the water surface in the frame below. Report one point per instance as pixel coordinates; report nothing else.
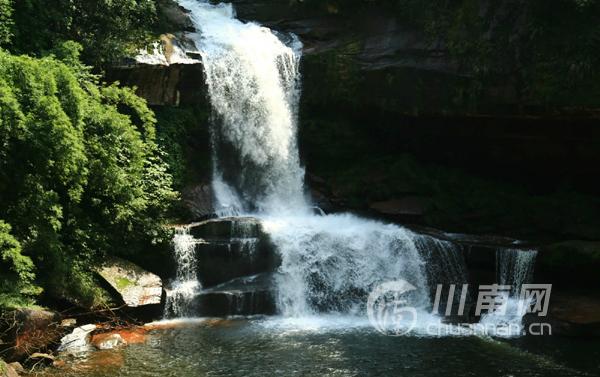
(265, 347)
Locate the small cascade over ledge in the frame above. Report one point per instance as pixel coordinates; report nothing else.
(186, 285)
(514, 267)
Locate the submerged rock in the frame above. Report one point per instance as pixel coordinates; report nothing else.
(135, 286)
(108, 341)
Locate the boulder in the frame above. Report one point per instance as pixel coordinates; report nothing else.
(78, 341)
(135, 286)
(17, 367)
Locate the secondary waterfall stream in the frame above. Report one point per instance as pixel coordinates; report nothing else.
(514, 267)
(186, 284)
(329, 263)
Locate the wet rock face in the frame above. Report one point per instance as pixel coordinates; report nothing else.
(557, 263)
(173, 17)
(248, 295)
(172, 85)
(232, 248)
(574, 314)
(135, 286)
(235, 262)
(199, 200)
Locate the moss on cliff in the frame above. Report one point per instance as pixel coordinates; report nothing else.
(362, 167)
(470, 56)
(183, 132)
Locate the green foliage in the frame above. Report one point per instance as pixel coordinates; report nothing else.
(17, 272)
(107, 29)
(80, 171)
(175, 129)
(6, 24)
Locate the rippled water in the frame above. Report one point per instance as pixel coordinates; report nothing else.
(265, 347)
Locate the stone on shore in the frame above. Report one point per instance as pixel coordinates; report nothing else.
(135, 286)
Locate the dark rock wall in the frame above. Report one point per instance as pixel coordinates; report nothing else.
(458, 115)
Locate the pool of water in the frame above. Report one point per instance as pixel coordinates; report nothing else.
(271, 346)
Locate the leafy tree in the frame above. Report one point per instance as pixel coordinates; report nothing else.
(107, 29)
(80, 172)
(5, 21)
(16, 274)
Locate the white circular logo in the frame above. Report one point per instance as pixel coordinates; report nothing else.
(388, 309)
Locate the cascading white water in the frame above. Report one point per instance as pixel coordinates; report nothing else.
(329, 263)
(186, 285)
(514, 267)
(252, 79)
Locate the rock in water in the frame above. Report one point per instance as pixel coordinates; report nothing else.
(108, 341)
(78, 341)
(136, 286)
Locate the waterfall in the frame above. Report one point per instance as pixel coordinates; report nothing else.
(329, 264)
(253, 84)
(514, 267)
(186, 285)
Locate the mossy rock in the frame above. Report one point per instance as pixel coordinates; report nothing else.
(135, 286)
